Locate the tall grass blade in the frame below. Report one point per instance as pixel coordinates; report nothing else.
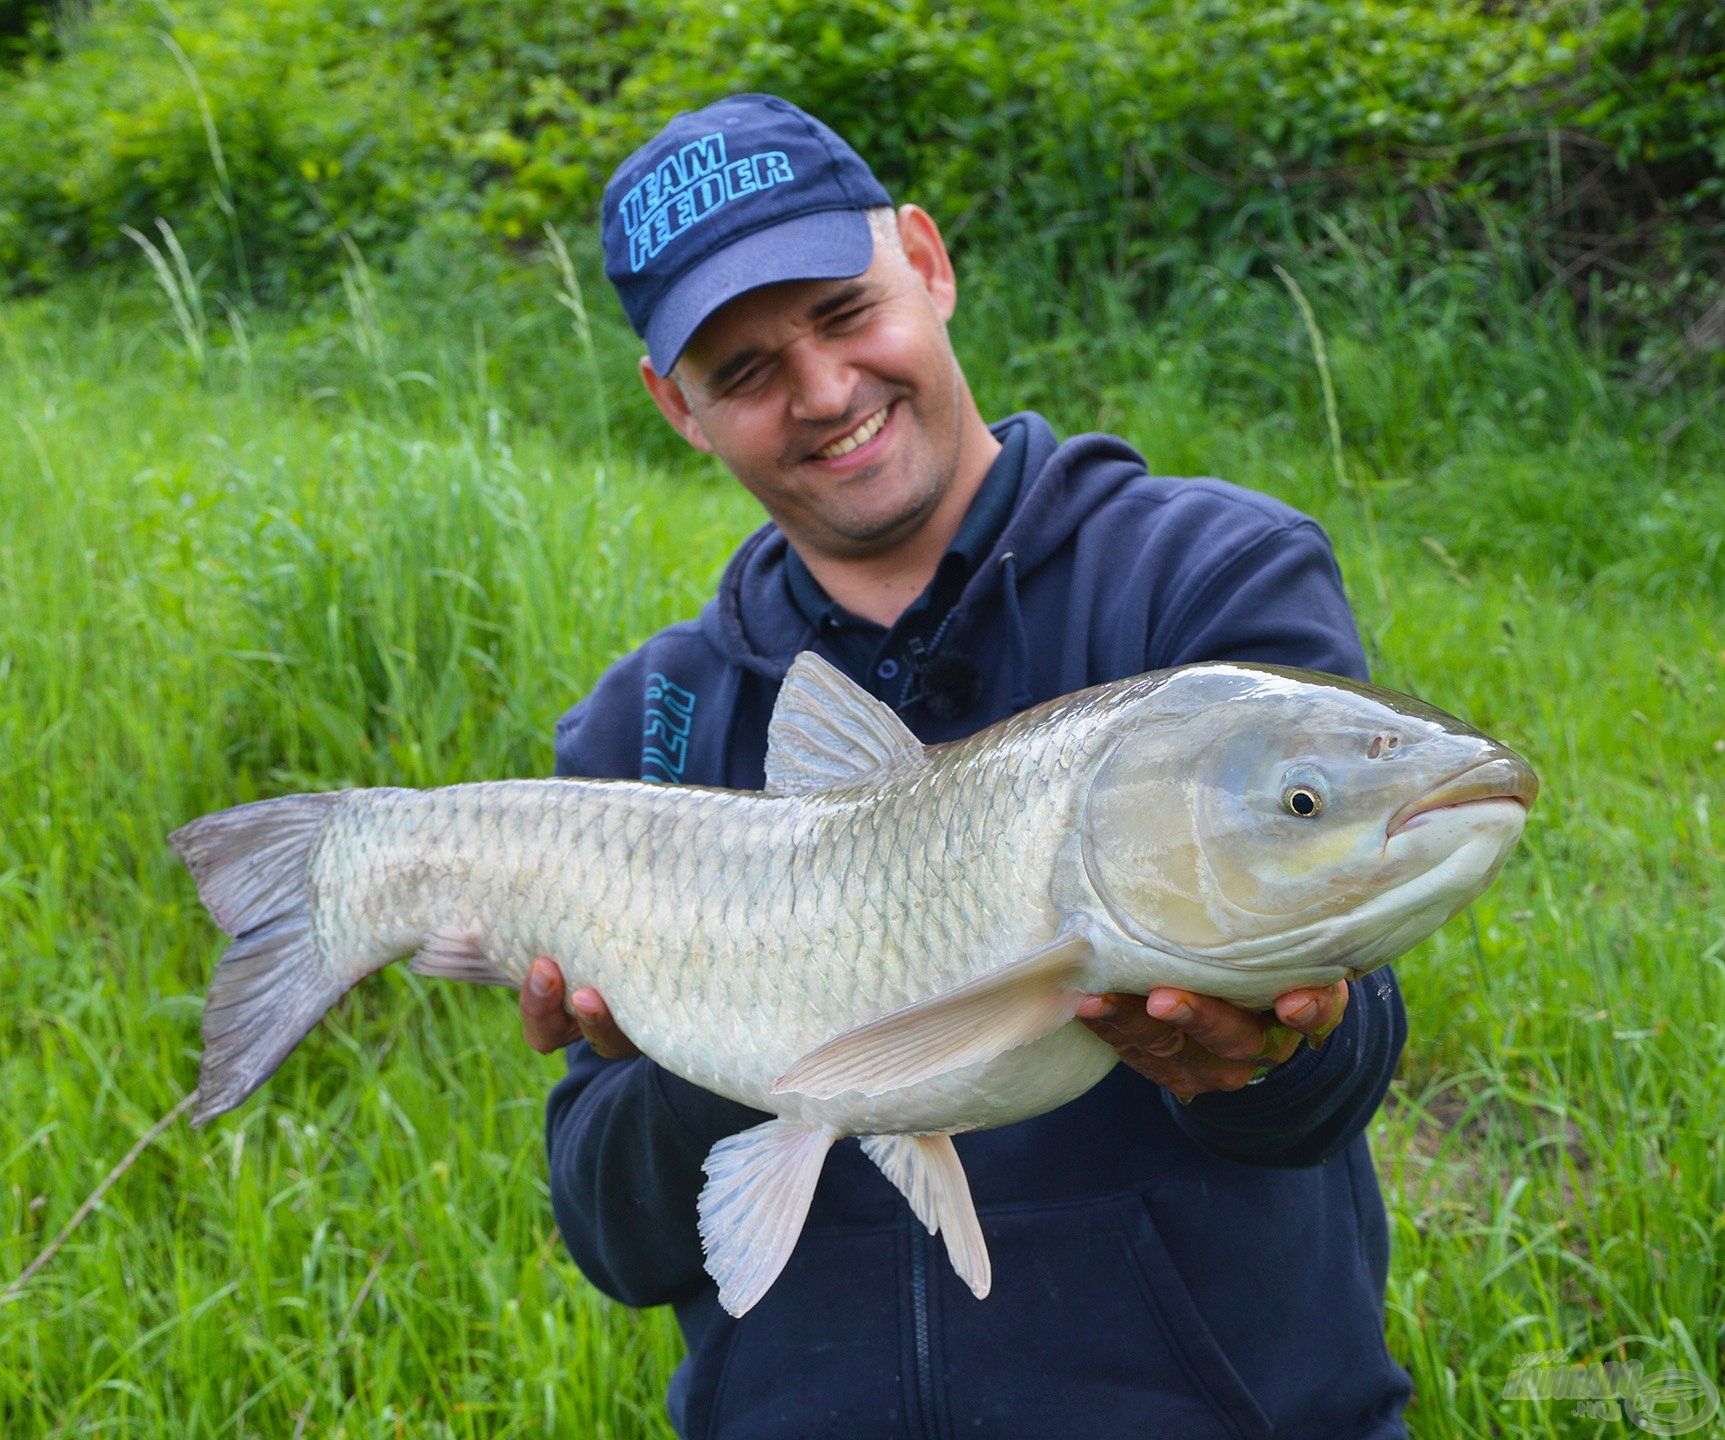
(224, 190)
(180, 286)
(1332, 421)
(571, 298)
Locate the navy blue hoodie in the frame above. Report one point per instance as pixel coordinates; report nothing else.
(1215, 1269)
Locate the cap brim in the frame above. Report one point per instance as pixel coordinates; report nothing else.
(827, 245)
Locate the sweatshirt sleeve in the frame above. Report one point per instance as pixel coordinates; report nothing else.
(625, 1138)
(1278, 599)
(1272, 595)
(1313, 1104)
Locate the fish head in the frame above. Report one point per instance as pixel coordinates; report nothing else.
(1255, 818)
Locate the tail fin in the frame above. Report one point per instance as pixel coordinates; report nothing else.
(252, 865)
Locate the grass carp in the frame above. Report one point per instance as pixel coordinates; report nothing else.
(890, 940)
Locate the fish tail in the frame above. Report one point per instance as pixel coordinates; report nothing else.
(252, 865)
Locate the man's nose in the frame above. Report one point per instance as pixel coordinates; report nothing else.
(821, 382)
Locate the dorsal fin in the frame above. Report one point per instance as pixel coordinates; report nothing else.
(828, 731)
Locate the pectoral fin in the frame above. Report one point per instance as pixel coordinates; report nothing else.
(752, 1208)
(1006, 1008)
(927, 1172)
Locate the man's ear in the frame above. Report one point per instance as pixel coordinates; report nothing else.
(674, 406)
(925, 253)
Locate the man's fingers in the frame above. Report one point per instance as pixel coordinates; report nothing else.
(1123, 1023)
(1225, 1030)
(545, 1024)
(549, 1022)
(1159, 1051)
(1190, 1044)
(598, 1029)
(1315, 1012)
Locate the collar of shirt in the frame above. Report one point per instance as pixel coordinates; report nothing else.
(872, 653)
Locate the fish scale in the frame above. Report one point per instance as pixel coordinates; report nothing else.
(892, 939)
(604, 907)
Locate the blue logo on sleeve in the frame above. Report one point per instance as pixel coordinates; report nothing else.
(687, 186)
(665, 742)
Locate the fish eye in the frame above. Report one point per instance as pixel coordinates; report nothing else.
(1305, 792)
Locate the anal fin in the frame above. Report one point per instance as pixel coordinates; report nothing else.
(752, 1208)
(457, 952)
(928, 1173)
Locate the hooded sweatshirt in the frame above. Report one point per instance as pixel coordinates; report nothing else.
(1214, 1269)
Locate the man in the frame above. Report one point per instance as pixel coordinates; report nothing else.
(1211, 1268)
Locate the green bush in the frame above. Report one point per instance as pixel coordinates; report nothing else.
(1579, 145)
(261, 132)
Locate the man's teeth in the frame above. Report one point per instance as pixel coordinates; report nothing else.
(860, 436)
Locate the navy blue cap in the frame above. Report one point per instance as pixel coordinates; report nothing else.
(748, 191)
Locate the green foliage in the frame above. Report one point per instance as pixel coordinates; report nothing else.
(261, 132)
(383, 541)
(1663, 103)
(24, 25)
(1571, 142)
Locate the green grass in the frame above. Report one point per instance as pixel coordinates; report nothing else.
(389, 539)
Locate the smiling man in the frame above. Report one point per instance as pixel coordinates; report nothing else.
(1195, 1248)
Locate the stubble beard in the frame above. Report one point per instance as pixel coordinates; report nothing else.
(871, 535)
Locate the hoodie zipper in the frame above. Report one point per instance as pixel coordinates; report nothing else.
(919, 1315)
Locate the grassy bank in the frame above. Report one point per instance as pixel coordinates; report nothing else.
(389, 539)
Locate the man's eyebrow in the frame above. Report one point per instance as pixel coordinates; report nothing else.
(736, 364)
(837, 301)
(732, 368)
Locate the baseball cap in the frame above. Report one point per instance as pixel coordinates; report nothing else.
(745, 192)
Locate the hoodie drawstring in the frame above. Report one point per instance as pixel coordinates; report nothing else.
(1015, 624)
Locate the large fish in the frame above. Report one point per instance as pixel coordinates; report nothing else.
(890, 941)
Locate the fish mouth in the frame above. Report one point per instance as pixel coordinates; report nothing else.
(1504, 777)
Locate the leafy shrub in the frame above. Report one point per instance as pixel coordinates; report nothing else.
(262, 132)
(1576, 144)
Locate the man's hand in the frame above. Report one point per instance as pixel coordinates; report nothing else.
(1189, 1044)
(549, 1023)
